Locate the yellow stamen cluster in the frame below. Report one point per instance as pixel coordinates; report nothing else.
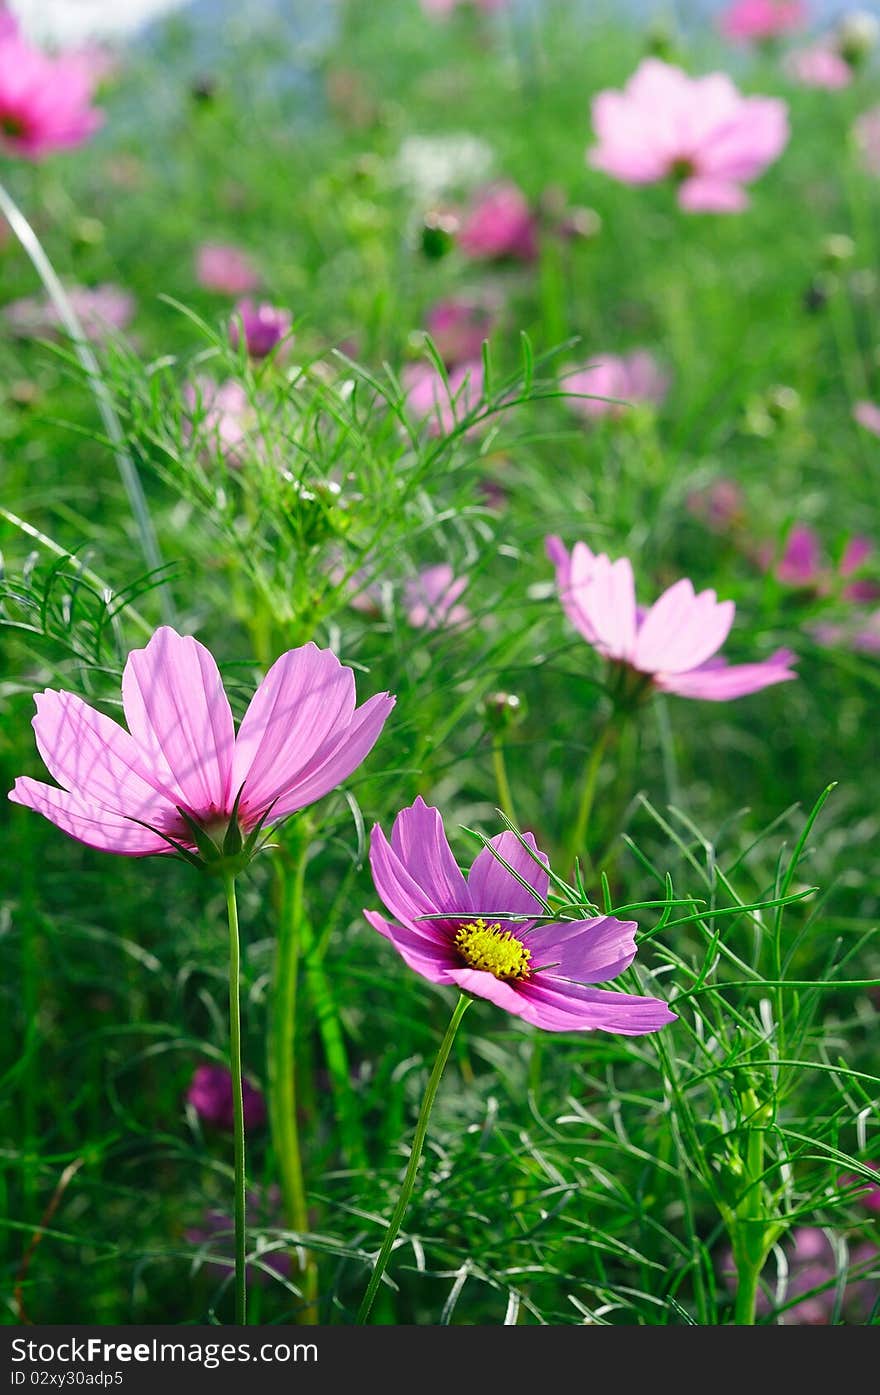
(492, 949)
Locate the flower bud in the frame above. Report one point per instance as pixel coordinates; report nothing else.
(438, 233)
(502, 711)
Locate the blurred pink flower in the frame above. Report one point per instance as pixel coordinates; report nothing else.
(222, 418)
(181, 762)
(818, 66)
(100, 310)
(861, 635)
(803, 564)
(812, 1264)
(430, 599)
(45, 102)
(446, 7)
(634, 378)
(210, 1094)
(869, 1192)
(866, 131)
(220, 267)
(458, 328)
(429, 399)
(672, 645)
(498, 224)
(215, 1237)
(719, 505)
(265, 327)
(867, 414)
(749, 21)
(699, 131)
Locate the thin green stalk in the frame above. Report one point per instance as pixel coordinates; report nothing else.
(69, 318)
(282, 1069)
(588, 792)
(237, 1104)
(750, 1238)
(418, 1143)
(505, 797)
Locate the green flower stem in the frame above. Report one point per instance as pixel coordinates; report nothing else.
(414, 1158)
(588, 791)
(69, 318)
(505, 797)
(750, 1240)
(237, 1104)
(282, 1069)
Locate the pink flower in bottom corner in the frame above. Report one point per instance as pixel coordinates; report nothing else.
(442, 405)
(631, 379)
(867, 414)
(221, 267)
(819, 66)
(755, 21)
(672, 645)
(45, 102)
(499, 224)
(180, 778)
(431, 599)
(700, 132)
(210, 1094)
(485, 935)
(805, 1292)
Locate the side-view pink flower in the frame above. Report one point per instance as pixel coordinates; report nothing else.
(755, 21)
(221, 267)
(819, 65)
(499, 224)
(484, 934)
(45, 102)
(634, 378)
(431, 598)
(700, 132)
(181, 762)
(673, 644)
(442, 405)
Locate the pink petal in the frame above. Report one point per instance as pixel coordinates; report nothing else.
(179, 716)
(493, 889)
(334, 763)
(406, 899)
(564, 1007)
(720, 682)
(589, 951)
(85, 821)
(419, 840)
(306, 699)
(434, 961)
(609, 605)
(707, 194)
(682, 630)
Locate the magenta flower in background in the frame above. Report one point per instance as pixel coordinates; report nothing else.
(754, 21)
(181, 761)
(699, 131)
(867, 414)
(446, 7)
(499, 224)
(431, 599)
(866, 132)
(820, 65)
(803, 564)
(458, 328)
(673, 644)
(265, 327)
(220, 267)
(222, 414)
(488, 940)
(633, 378)
(210, 1094)
(869, 1192)
(812, 1264)
(101, 310)
(720, 505)
(440, 405)
(45, 102)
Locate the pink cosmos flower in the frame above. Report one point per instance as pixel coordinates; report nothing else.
(499, 224)
(699, 131)
(210, 1094)
(819, 66)
(446, 7)
(45, 102)
(867, 414)
(488, 939)
(220, 267)
(181, 766)
(265, 327)
(803, 564)
(813, 1265)
(753, 21)
(672, 645)
(861, 635)
(720, 505)
(634, 378)
(430, 599)
(442, 407)
(866, 131)
(222, 418)
(100, 310)
(458, 328)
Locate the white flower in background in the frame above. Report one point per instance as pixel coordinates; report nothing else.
(431, 166)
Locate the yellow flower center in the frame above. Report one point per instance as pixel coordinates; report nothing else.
(494, 950)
